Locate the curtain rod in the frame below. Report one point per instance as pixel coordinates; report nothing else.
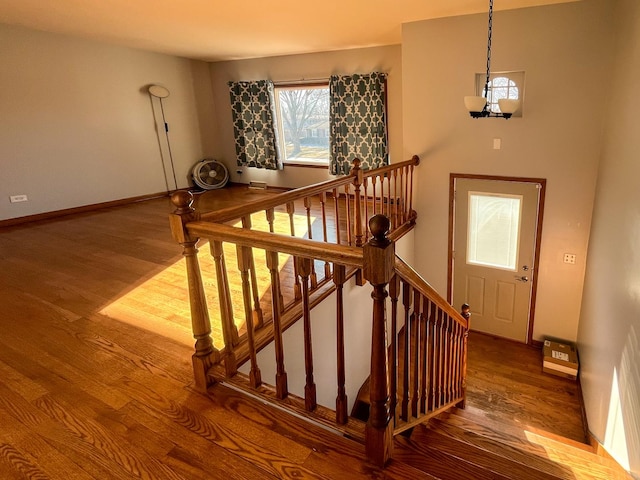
(301, 81)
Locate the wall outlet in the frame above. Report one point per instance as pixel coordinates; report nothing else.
(18, 198)
(570, 258)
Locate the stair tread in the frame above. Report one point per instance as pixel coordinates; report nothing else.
(505, 439)
(442, 465)
(476, 415)
(519, 463)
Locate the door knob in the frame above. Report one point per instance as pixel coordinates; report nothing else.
(522, 279)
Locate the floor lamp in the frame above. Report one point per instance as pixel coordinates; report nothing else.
(161, 92)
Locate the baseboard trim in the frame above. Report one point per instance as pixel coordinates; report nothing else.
(583, 411)
(10, 222)
(537, 344)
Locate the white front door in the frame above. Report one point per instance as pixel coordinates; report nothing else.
(494, 245)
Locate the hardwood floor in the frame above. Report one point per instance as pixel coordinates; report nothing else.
(96, 382)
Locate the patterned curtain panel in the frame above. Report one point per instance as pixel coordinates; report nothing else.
(357, 118)
(253, 109)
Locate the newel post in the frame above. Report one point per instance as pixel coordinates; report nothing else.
(466, 314)
(205, 354)
(379, 259)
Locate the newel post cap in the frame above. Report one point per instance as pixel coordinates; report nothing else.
(379, 252)
(184, 213)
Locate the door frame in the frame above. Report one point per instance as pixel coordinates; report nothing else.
(538, 240)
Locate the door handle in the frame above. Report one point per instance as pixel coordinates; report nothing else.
(522, 279)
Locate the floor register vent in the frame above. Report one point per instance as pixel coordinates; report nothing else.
(257, 185)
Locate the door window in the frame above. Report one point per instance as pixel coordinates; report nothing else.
(493, 230)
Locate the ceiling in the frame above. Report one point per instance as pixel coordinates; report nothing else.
(214, 30)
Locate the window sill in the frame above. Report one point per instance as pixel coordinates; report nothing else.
(310, 164)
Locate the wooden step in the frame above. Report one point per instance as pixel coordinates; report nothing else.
(551, 455)
(477, 416)
(440, 464)
(518, 465)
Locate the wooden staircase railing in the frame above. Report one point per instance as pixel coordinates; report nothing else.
(430, 375)
(312, 240)
(316, 222)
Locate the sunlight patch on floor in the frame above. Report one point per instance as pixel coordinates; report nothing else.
(160, 304)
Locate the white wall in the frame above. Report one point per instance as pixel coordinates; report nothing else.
(357, 331)
(609, 333)
(77, 126)
(293, 68)
(564, 51)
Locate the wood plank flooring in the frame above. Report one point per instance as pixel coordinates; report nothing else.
(96, 382)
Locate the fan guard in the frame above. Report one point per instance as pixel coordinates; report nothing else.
(210, 174)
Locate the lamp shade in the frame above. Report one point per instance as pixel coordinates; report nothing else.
(508, 105)
(475, 103)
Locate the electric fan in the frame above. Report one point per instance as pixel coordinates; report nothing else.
(210, 174)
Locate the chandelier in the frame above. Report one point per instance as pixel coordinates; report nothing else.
(478, 106)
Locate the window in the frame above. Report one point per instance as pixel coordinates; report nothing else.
(494, 228)
(302, 114)
(502, 85)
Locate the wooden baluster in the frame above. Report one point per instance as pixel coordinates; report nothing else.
(435, 355)
(365, 183)
(271, 216)
(383, 207)
(307, 206)
(245, 259)
(396, 212)
(339, 277)
(276, 308)
(389, 208)
(424, 367)
(415, 354)
(229, 330)
(403, 194)
(258, 318)
(441, 356)
(394, 292)
(347, 208)
(325, 236)
(373, 192)
(458, 359)
(378, 258)
(356, 171)
(304, 270)
(465, 312)
(291, 210)
(336, 209)
(406, 367)
(455, 361)
(450, 351)
(445, 356)
(205, 354)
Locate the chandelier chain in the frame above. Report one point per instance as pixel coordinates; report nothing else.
(486, 84)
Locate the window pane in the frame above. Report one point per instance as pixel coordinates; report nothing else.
(494, 229)
(303, 122)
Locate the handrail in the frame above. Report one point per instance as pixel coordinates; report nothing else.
(413, 161)
(413, 278)
(233, 213)
(301, 247)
